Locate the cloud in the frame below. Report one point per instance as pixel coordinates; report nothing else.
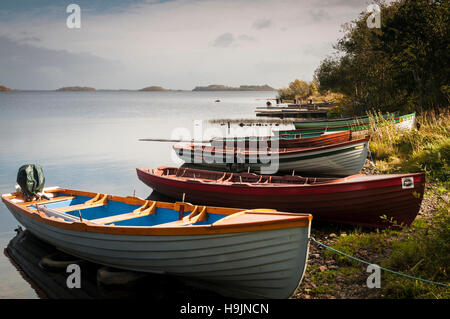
(246, 38)
(262, 23)
(224, 40)
(175, 44)
(31, 67)
(319, 15)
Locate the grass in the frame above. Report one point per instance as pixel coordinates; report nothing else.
(422, 249)
(424, 149)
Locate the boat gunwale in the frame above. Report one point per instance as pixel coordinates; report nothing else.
(284, 137)
(338, 181)
(283, 151)
(294, 220)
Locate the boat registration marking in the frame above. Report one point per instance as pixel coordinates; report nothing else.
(407, 182)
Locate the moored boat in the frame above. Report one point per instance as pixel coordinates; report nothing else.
(286, 141)
(339, 159)
(258, 253)
(403, 122)
(364, 200)
(326, 123)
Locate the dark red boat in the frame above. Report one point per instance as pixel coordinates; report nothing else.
(284, 141)
(365, 200)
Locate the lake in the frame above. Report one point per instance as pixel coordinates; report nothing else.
(89, 141)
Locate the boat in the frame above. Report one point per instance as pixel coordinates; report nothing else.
(294, 113)
(349, 121)
(297, 106)
(360, 199)
(258, 253)
(285, 141)
(340, 159)
(403, 122)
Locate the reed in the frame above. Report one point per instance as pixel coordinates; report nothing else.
(425, 148)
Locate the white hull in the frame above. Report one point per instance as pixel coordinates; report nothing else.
(407, 123)
(259, 264)
(342, 161)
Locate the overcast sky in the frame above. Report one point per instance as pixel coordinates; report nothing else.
(177, 44)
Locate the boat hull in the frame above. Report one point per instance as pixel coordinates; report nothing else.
(288, 141)
(401, 122)
(359, 201)
(258, 264)
(337, 160)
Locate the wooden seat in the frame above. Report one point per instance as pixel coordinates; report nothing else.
(147, 209)
(197, 215)
(96, 201)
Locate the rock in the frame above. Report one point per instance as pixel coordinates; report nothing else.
(315, 256)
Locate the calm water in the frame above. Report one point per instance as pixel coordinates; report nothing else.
(89, 140)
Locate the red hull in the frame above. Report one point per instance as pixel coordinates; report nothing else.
(325, 139)
(357, 200)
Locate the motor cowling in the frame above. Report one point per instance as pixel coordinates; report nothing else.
(31, 180)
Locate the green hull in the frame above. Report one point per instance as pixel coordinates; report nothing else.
(337, 123)
(354, 127)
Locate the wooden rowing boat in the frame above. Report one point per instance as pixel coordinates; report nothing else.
(285, 141)
(294, 113)
(404, 122)
(340, 159)
(326, 123)
(257, 253)
(356, 200)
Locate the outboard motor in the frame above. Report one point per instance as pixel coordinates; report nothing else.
(31, 180)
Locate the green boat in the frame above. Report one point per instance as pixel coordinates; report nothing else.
(349, 121)
(404, 122)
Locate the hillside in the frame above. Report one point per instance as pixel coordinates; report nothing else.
(76, 88)
(4, 89)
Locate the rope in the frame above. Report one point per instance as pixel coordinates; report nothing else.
(385, 269)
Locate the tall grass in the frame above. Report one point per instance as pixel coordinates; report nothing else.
(425, 148)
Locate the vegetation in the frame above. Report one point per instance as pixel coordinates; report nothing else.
(154, 88)
(76, 88)
(426, 149)
(421, 250)
(404, 65)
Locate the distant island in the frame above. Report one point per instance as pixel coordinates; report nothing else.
(217, 87)
(76, 88)
(4, 89)
(155, 88)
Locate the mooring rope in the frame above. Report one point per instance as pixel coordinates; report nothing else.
(385, 269)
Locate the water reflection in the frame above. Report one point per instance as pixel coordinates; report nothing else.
(27, 253)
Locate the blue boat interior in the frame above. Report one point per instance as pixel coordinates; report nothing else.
(115, 208)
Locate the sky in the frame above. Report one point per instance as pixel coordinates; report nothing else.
(176, 44)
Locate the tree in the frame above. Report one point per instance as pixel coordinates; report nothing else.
(296, 89)
(404, 65)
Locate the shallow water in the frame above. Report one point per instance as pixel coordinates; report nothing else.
(89, 141)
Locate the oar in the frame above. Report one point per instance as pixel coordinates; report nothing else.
(171, 141)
